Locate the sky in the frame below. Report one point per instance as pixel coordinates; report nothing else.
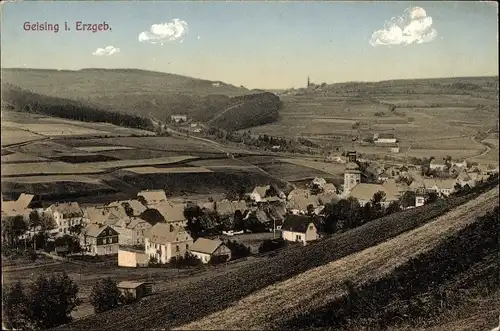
(271, 45)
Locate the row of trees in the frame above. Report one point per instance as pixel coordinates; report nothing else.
(48, 301)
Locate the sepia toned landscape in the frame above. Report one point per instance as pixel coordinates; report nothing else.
(275, 168)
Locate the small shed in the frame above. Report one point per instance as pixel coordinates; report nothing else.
(135, 290)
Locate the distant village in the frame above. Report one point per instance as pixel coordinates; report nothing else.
(150, 228)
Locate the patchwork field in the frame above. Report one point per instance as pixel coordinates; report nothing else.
(422, 120)
(45, 168)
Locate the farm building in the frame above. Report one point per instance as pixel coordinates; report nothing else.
(128, 257)
(299, 229)
(131, 230)
(364, 192)
(384, 138)
(99, 240)
(65, 215)
(164, 241)
(135, 290)
(208, 250)
(153, 197)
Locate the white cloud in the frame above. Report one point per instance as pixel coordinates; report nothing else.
(414, 27)
(163, 32)
(108, 51)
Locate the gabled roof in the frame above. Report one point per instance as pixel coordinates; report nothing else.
(18, 206)
(296, 223)
(171, 212)
(431, 182)
(67, 209)
(207, 205)
(161, 233)
(230, 207)
(130, 285)
(153, 196)
(261, 190)
(94, 230)
(329, 187)
(206, 246)
(319, 181)
(365, 191)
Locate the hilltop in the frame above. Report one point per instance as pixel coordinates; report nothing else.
(143, 93)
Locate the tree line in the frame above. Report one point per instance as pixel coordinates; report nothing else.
(30, 102)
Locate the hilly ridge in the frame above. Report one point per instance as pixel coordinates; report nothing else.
(141, 93)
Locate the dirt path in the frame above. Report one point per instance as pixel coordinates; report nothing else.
(321, 285)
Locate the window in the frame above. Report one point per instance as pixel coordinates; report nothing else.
(177, 249)
(311, 227)
(60, 230)
(187, 246)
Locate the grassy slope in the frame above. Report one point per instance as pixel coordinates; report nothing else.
(185, 305)
(146, 93)
(321, 286)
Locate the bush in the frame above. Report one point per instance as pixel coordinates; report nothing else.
(188, 260)
(238, 250)
(105, 295)
(272, 245)
(46, 303)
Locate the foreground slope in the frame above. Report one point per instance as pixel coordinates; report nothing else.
(317, 287)
(183, 305)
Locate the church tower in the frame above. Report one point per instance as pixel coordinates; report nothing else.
(352, 174)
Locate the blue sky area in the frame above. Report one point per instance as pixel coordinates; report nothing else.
(260, 44)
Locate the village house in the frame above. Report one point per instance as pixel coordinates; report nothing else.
(173, 213)
(153, 197)
(443, 187)
(102, 215)
(364, 192)
(298, 228)
(164, 241)
(131, 230)
(99, 240)
(132, 258)
(65, 215)
(384, 138)
(435, 165)
(299, 200)
(394, 188)
(207, 249)
(132, 206)
(17, 207)
(225, 208)
(135, 290)
(264, 193)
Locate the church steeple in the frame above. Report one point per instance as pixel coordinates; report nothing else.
(308, 81)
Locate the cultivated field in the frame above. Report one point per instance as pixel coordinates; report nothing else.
(46, 168)
(435, 109)
(169, 170)
(264, 309)
(139, 163)
(46, 126)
